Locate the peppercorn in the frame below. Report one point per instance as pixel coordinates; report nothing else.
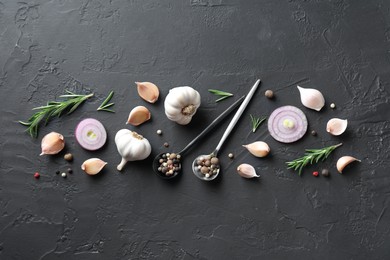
(63, 175)
(57, 172)
(325, 172)
(315, 174)
(166, 144)
(333, 105)
(70, 170)
(36, 175)
(269, 94)
(313, 133)
(68, 157)
(159, 132)
(231, 156)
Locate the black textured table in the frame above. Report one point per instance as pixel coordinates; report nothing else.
(338, 47)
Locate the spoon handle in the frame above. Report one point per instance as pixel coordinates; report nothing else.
(236, 117)
(213, 124)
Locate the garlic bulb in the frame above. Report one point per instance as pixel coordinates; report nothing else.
(148, 91)
(258, 149)
(344, 161)
(336, 126)
(181, 104)
(93, 166)
(247, 171)
(52, 143)
(131, 146)
(311, 98)
(138, 115)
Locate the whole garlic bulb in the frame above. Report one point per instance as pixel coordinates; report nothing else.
(181, 104)
(131, 146)
(52, 143)
(258, 149)
(311, 98)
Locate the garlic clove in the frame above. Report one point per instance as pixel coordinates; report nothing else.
(148, 91)
(258, 149)
(336, 126)
(138, 115)
(342, 162)
(247, 171)
(93, 166)
(311, 98)
(52, 143)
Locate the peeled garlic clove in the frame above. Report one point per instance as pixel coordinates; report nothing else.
(138, 115)
(336, 126)
(247, 171)
(311, 98)
(344, 161)
(93, 166)
(148, 91)
(52, 143)
(258, 149)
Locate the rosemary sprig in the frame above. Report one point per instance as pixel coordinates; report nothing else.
(53, 108)
(223, 94)
(256, 122)
(105, 106)
(311, 155)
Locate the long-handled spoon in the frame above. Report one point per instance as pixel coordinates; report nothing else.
(207, 167)
(167, 165)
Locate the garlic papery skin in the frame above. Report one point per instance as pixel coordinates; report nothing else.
(138, 115)
(258, 148)
(93, 166)
(148, 91)
(311, 98)
(52, 143)
(247, 171)
(131, 146)
(342, 162)
(336, 126)
(181, 104)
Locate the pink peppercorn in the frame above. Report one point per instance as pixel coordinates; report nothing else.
(315, 174)
(36, 175)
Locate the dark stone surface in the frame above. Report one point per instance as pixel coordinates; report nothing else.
(339, 47)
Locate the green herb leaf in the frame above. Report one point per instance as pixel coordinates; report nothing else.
(311, 156)
(104, 105)
(223, 94)
(256, 122)
(53, 108)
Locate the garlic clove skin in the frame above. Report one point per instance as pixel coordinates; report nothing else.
(336, 126)
(258, 148)
(342, 162)
(148, 91)
(52, 143)
(311, 98)
(138, 115)
(247, 171)
(93, 166)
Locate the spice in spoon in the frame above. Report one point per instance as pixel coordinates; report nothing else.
(169, 164)
(207, 165)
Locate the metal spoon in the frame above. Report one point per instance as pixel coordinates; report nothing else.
(206, 166)
(176, 157)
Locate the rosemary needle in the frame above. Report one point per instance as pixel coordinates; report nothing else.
(223, 94)
(53, 108)
(256, 122)
(311, 156)
(105, 106)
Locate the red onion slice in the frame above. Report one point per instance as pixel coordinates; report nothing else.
(90, 134)
(287, 124)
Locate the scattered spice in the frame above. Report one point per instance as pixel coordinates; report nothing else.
(105, 106)
(269, 94)
(166, 144)
(313, 133)
(53, 109)
(58, 172)
(70, 170)
(231, 155)
(333, 105)
(159, 132)
(223, 94)
(68, 157)
(311, 156)
(315, 174)
(63, 175)
(325, 172)
(36, 175)
(256, 122)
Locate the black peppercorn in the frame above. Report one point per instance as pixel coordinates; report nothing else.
(325, 172)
